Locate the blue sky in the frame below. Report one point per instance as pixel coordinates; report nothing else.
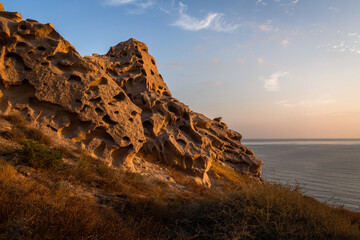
(270, 68)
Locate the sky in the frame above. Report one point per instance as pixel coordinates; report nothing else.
(269, 68)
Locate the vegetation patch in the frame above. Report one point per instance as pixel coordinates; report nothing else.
(36, 155)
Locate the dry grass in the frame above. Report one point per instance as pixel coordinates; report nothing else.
(21, 130)
(89, 200)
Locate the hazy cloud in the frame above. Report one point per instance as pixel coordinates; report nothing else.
(215, 61)
(284, 103)
(120, 2)
(271, 83)
(213, 83)
(260, 60)
(214, 21)
(307, 103)
(174, 64)
(285, 43)
(334, 9)
(241, 60)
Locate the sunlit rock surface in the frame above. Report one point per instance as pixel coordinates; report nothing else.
(116, 106)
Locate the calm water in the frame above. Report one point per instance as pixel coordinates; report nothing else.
(327, 169)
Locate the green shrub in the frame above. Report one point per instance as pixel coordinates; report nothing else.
(36, 155)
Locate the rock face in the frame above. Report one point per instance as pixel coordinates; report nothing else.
(115, 106)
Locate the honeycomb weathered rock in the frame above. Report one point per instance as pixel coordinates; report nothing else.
(43, 77)
(175, 135)
(115, 105)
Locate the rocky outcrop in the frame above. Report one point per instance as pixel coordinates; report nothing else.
(44, 78)
(115, 106)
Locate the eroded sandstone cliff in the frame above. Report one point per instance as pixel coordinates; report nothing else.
(116, 106)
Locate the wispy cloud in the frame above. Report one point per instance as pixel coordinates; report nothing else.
(307, 103)
(271, 83)
(349, 44)
(137, 3)
(288, 5)
(214, 21)
(261, 2)
(268, 27)
(120, 2)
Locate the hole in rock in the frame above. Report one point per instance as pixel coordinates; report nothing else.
(41, 48)
(19, 62)
(21, 45)
(188, 131)
(116, 112)
(99, 111)
(186, 116)
(23, 27)
(26, 68)
(181, 142)
(143, 72)
(153, 61)
(100, 133)
(131, 119)
(141, 61)
(148, 126)
(95, 100)
(174, 110)
(120, 97)
(84, 108)
(99, 151)
(122, 154)
(152, 72)
(126, 139)
(130, 81)
(108, 120)
(74, 78)
(78, 103)
(45, 64)
(133, 113)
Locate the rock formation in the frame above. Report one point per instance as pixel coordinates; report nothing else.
(115, 106)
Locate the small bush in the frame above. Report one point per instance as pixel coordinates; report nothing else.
(36, 155)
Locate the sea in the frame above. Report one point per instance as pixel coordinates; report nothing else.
(326, 169)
